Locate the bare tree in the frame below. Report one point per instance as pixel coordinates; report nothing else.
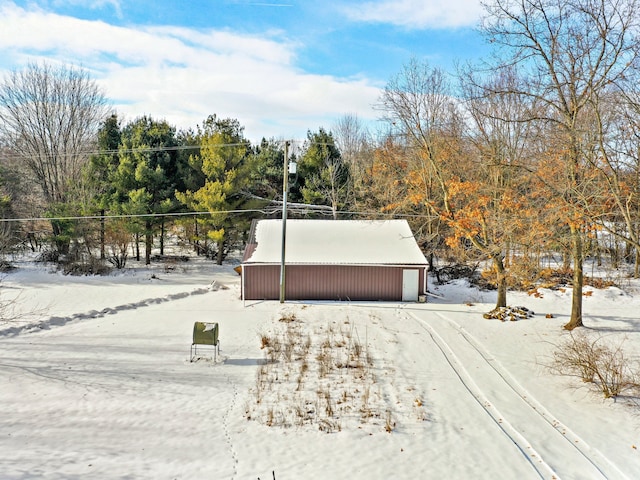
(356, 148)
(419, 103)
(570, 52)
(617, 162)
(501, 149)
(425, 135)
(49, 116)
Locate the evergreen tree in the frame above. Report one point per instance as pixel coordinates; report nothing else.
(146, 177)
(324, 176)
(225, 163)
(266, 174)
(101, 167)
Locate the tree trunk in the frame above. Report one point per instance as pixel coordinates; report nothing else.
(566, 260)
(196, 240)
(501, 281)
(578, 280)
(148, 242)
(61, 242)
(507, 257)
(162, 237)
(102, 235)
(431, 262)
(220, 255)
(636, 266)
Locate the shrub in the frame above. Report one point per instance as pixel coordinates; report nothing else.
(453, 272)
(48, 256)
(6, 266)
(598, 362)
(85, 266)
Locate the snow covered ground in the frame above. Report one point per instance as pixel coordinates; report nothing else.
(96, 384)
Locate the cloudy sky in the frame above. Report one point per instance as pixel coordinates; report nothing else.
(281, 67)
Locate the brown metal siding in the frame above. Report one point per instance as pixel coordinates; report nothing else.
(327, 282)
(261, 282)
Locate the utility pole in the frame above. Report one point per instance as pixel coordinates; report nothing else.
(285, 192)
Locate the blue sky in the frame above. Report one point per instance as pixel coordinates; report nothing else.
(281, 67)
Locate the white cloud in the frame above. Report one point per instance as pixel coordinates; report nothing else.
(92, 4)
(417, 14)
(184, 75)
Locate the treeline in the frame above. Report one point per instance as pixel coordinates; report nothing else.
(534, 153)
(121, 192)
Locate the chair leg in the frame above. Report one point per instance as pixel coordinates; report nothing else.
(193, 352)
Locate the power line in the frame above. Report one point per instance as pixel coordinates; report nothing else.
(296, 208)
(136, 215)
(120, 151)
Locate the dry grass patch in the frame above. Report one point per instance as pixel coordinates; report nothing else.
(319, 376)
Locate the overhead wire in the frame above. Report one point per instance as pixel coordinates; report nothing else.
(132, 215)
(296, 208)
(299, 208)
(8, 154)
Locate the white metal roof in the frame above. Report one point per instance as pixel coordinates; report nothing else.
(352, 242)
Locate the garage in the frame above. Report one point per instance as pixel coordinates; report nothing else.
(339, 260)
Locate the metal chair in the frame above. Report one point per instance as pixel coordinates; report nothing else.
(205, 334)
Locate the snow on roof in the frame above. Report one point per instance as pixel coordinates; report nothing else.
(353, 242)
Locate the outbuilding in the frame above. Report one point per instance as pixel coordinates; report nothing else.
(334, 260)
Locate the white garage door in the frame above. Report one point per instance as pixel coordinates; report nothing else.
(410, 285)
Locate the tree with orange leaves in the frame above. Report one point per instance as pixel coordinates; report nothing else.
(569, 52)
(461, 183)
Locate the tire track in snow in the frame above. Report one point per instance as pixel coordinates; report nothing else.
(55, 321)
(543, 470)
(599, 461)
(542, 428)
